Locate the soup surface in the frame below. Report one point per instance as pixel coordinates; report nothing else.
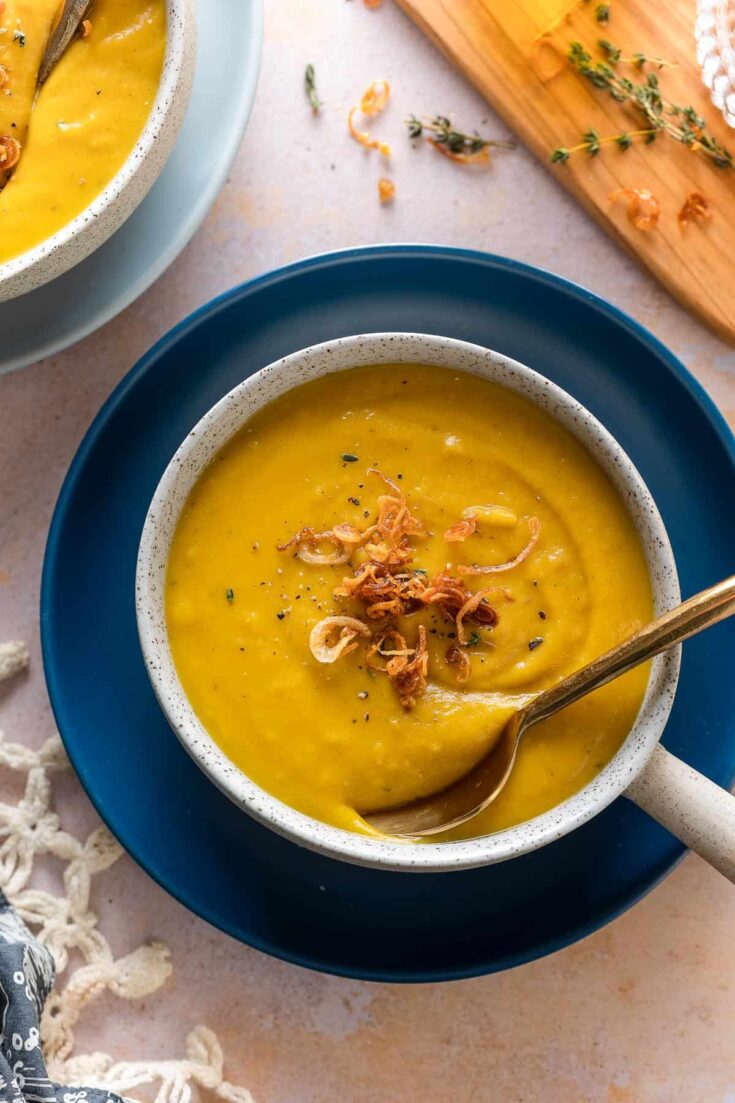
(336, 738)
(76, 133)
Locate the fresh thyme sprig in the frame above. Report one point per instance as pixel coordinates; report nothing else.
(614, 56)
(592, 142)
(683, 124)
(310, 88)
(443, 133)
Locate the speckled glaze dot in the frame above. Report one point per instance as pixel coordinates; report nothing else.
(221, 423)
(97, 222)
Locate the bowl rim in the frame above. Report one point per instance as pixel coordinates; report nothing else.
(184, 469)
(179, 23)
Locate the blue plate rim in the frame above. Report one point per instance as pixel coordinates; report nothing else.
(549, 279)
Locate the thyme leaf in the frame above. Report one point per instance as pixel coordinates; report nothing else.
(310, 88)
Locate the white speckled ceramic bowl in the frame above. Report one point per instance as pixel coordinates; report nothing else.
(85, 233)
(639, 760)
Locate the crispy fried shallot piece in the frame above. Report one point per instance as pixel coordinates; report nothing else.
(459, 660)
(470, 607)
(384, 593)
(406, 667)
(349, 535)
(9, 152)
(695, 209)
(534, 528)
(459, 532)
(391, 646)
(643, 206)
(307, 543)
(349, 628)
(450, 595)
(410, 678)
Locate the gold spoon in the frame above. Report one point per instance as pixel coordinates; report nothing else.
(71, 13)
(466, 797)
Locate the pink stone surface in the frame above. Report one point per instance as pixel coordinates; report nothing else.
(641, 1012)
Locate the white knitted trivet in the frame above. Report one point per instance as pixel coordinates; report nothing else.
(65, 923)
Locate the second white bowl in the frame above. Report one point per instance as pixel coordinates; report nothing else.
(107, 212)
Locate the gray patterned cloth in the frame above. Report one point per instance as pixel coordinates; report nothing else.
(26, 978)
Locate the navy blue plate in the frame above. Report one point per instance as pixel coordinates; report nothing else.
(211, 856)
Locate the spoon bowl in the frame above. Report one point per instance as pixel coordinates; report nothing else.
(473, 792)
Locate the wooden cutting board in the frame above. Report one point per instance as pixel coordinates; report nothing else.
(513, 51)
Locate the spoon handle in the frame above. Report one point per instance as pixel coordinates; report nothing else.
(695, 614)
(71, 13)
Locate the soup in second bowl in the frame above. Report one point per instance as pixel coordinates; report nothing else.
(378, 569)
(61, 146)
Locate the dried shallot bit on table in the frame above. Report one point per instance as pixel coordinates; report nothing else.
(375, 97)
(373, 5)
(643, 206)
(372, 102)
(480, 157)
(363, 137)
(386, 190)
(534, 528)
(342, 631)
(696, 208)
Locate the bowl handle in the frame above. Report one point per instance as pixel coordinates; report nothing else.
(691, 806)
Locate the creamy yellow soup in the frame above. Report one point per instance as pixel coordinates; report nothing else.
(333, 740)
(76, 133)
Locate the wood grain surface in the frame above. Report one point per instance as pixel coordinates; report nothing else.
(514, 52)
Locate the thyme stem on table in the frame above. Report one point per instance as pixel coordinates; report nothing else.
(310, 88)
(443, 133)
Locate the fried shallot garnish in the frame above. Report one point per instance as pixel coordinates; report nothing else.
(643, 206)
(388, 590)
(410, 680)
(459, 660)
(696, 208)
(384, 593)
(307, 542)
(534, 528)
(349, 629)
(459, 532)
(451, 596)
